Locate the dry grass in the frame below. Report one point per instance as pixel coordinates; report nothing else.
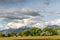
(32, 38)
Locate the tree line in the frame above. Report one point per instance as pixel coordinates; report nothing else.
(34, 32)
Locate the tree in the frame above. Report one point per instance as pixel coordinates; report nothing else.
(57, 30)
(23, 33)
(35, 31)
(11, 34)
(1, 34)
(30, 32)
(48, 32)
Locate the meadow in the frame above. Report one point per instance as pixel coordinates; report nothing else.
(32, 38)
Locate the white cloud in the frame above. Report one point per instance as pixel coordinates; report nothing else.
(17, 18)
(54, 22)
(31, 23)
(45, 24)
(20, 23)
(26, 23)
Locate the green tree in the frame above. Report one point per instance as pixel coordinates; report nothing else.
(57, 30)
(23, 33)
(11, 34)
(48, 32)
(30, 32)
(35, 31)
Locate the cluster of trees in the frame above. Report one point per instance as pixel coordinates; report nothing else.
(39, 32)
(34, 32)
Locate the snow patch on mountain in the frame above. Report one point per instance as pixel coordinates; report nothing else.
(31, 23)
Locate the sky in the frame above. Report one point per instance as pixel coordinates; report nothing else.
(28, 12)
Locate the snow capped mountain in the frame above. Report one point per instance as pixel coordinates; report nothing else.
(39, 25)
(20, 23)
(29, 23)
(32, 23)
(52, 24)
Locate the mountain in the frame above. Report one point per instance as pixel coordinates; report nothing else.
(25, 28)
(14, 30)
(11, 28)
(16, 27)
(53, 26)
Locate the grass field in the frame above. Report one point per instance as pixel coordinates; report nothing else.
(32, 38)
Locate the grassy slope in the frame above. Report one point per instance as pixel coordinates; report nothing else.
(35, 37)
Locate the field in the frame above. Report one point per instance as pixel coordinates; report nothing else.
(32, 38)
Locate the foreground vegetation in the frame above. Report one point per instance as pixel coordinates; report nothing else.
(34, 32)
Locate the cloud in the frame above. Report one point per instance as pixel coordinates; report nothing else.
(26, 23)
(20, 23)
(21, 0)
(11, 0)
(30, 23)
(45, 24)
(25, 3)
(22, 11)
(13, 14)
(53, 22)
(18, 17)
